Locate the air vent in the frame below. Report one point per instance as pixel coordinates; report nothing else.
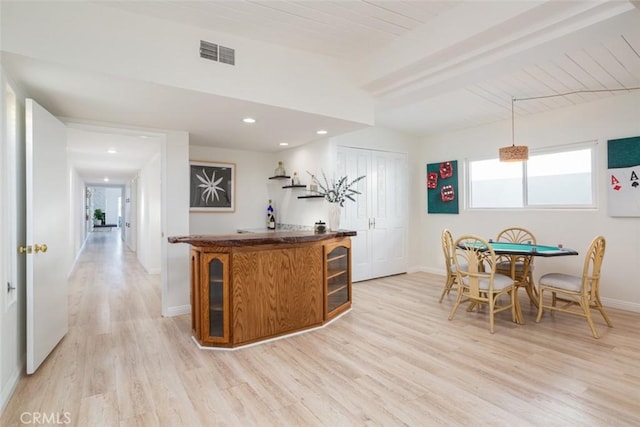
(213, 52)
(227, 55)
(208, 50)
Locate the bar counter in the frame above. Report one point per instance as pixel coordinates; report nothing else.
(252, 287)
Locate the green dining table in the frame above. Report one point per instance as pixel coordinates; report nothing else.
(523, 252)
(508, 248)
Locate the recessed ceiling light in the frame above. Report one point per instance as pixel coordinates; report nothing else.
(106, 179)
(249, 120)
(322, 132)
(284, 144)
(144, 136)
(112, 151)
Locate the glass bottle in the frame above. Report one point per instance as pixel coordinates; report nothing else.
(280, 169)
(295, 180)
(271, 218)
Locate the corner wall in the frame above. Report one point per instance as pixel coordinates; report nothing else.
(149, 227)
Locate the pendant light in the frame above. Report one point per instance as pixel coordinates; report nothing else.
(514, 153)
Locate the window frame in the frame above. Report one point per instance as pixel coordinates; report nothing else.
(591, 145)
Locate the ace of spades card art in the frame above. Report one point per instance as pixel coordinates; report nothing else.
(623, 174)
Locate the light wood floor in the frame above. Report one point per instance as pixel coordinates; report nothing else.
(393, 360)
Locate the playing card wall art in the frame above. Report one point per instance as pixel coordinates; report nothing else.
(623, 173)
(212, 187)
(442, 187)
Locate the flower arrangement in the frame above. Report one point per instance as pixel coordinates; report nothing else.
(338, 191)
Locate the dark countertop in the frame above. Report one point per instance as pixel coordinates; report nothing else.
(251, 239)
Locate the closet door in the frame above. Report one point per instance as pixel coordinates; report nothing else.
(379, 214)
(388, 212)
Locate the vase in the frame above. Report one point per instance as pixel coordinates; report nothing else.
(334, 216)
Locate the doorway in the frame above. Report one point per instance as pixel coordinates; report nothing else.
(120, 171)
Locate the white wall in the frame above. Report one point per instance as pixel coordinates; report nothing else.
(609, 118)
(12, 317)
(149, 215)
(254, 189)
(130, 214)
(77, 213)
(175, 222)
(313, 157)
(252, 172)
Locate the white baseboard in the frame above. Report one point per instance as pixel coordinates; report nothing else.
(10, 387)
(622, 305)
(607, 302)
(201, 347)
(177, 310)
(424, 269)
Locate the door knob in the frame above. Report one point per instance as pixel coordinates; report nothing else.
(40, 248)
(24, 249)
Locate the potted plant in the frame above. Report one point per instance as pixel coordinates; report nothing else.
(336, 192)
(98, 217)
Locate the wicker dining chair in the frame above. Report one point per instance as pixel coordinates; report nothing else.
(581, 291)
(450, 274)
(518, 267)
(475, 263)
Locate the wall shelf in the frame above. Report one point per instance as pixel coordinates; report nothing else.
(312, 196)
(295, 186)
(280, 177)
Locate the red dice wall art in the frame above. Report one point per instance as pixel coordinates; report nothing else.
(432, 180)
(447, 193)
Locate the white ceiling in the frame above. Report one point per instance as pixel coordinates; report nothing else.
(556, 48)
(108, 158)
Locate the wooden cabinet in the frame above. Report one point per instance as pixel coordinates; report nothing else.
(210, 297)
(245, 293)
(337, 273)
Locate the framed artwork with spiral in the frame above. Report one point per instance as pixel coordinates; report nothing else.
(212, 186)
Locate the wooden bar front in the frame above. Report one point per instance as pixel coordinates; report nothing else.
(251, 287)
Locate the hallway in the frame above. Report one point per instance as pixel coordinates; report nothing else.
(105, 371)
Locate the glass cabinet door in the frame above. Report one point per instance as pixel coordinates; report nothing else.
(337, 278)
(216, 298)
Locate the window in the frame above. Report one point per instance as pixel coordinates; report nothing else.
(562, 177)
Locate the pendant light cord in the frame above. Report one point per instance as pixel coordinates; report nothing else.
(513, 132)
(572, 93)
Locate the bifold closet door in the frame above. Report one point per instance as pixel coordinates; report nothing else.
(380, 213)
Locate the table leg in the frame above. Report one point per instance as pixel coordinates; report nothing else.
(532, 292)
(516, 304)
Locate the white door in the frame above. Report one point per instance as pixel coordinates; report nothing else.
(379, 214)
(47, 242)
(356, 215)
(388, 210)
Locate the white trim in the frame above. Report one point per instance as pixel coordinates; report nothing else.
(607, 302)
(75, 261)
(201, 347)
(621, 305)
(10, 387)
(177, 311)
(431, 270)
